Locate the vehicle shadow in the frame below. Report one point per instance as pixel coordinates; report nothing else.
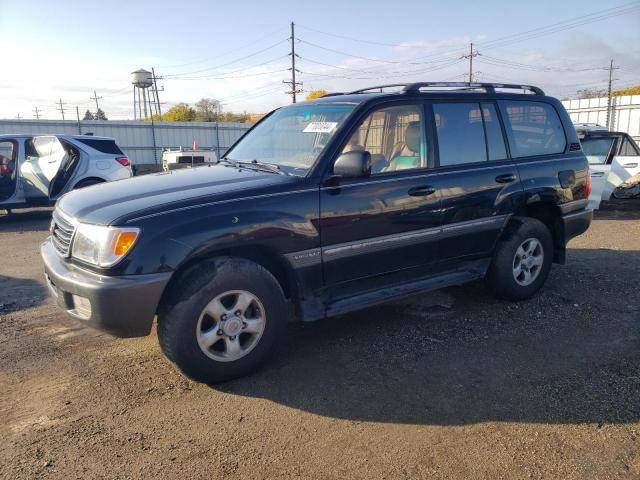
(20, 293)
(25, 220)
(566, 356)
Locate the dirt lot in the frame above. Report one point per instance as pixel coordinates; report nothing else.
(453, 384)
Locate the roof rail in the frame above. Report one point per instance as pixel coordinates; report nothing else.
(488, 87)
(415, 87)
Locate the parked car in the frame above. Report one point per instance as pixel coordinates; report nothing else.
(323, 208)
(613, 159)
(175, 158)
(35, 170)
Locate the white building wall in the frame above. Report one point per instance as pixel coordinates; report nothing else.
(136, 138)
(625, 113)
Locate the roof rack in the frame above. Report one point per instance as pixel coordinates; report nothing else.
(415, 87)
(488, 87)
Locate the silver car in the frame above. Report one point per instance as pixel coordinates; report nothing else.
(35, 170)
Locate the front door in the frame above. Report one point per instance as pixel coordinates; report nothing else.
(477, 180)
(625, 164)
(8, 169)
(387, 222)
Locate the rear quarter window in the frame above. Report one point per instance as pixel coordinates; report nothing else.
(104, 146)
(533, 128)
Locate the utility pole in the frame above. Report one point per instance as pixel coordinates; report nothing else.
(36, 113)
(155, 88)
(611, 69)
(96, 98)
(18, 116)
(78, 118)
(62, 109)
(470, 56)
(294, 85)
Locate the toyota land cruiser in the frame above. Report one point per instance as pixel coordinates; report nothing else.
(322, 208)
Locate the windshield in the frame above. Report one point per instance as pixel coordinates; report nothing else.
(597, 149)
(292, 137)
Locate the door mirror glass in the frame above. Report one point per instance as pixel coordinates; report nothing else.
(353, 164)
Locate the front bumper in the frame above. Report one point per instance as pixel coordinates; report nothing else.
(122, 306)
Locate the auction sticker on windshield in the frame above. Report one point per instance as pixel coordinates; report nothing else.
(320, 127)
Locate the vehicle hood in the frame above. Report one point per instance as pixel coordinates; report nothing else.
(114, 203)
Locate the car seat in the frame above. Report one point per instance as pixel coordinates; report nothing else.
(406, 154)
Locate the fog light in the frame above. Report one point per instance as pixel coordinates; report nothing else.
(82, 306)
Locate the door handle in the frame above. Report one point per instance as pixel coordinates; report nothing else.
(597, 174)
(630, 165)
(422, 191)
(506, 178)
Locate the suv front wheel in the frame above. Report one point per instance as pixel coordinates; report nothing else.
(522, 259)
(222, 320)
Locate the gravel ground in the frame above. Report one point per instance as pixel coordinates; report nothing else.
(452, 384)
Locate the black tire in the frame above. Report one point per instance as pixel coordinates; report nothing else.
(500, 277)
(87, 183)
(179, 316)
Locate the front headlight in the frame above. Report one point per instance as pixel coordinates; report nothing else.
(103, 246)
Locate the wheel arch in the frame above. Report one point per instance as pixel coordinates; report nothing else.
(88, 179)
(549, 214)
(264, 256)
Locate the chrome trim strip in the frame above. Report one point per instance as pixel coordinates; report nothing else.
(375, 244)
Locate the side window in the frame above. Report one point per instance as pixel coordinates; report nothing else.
(460, 133)
(628, 149)
(495, 141)
(533, 128)
(394, 137)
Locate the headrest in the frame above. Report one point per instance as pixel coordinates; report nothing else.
(412, 137)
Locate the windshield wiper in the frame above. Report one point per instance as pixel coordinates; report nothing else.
(258, 165)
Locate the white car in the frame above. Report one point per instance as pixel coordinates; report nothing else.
(35, 170)
(613, 159)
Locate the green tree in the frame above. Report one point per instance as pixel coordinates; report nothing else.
(235, 117)
(100, 115)
(208, 110)
(180, 112)
(627, 91)
(316, 94)
(88, 115)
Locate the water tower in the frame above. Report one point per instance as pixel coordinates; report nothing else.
(145, 94)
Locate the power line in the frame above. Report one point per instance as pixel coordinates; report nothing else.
(228, 52)
(175, 75)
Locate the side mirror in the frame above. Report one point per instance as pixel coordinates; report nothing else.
(353, 164)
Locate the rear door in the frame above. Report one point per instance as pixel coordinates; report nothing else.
(44, 156)
(624, 165)
(479, 184)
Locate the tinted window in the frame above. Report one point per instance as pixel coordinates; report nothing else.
(104, 146)
(597, 149)
(533, 128)
(394, 137)
(460, 133)
(628, 149)
(495, 140)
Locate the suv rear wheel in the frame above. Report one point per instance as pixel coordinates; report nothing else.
(522, 259)
(223, 320)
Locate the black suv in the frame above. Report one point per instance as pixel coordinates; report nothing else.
(322, 208)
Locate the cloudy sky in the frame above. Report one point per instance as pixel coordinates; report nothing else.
(238, 51)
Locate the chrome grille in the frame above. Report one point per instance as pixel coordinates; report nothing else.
(62, 230)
